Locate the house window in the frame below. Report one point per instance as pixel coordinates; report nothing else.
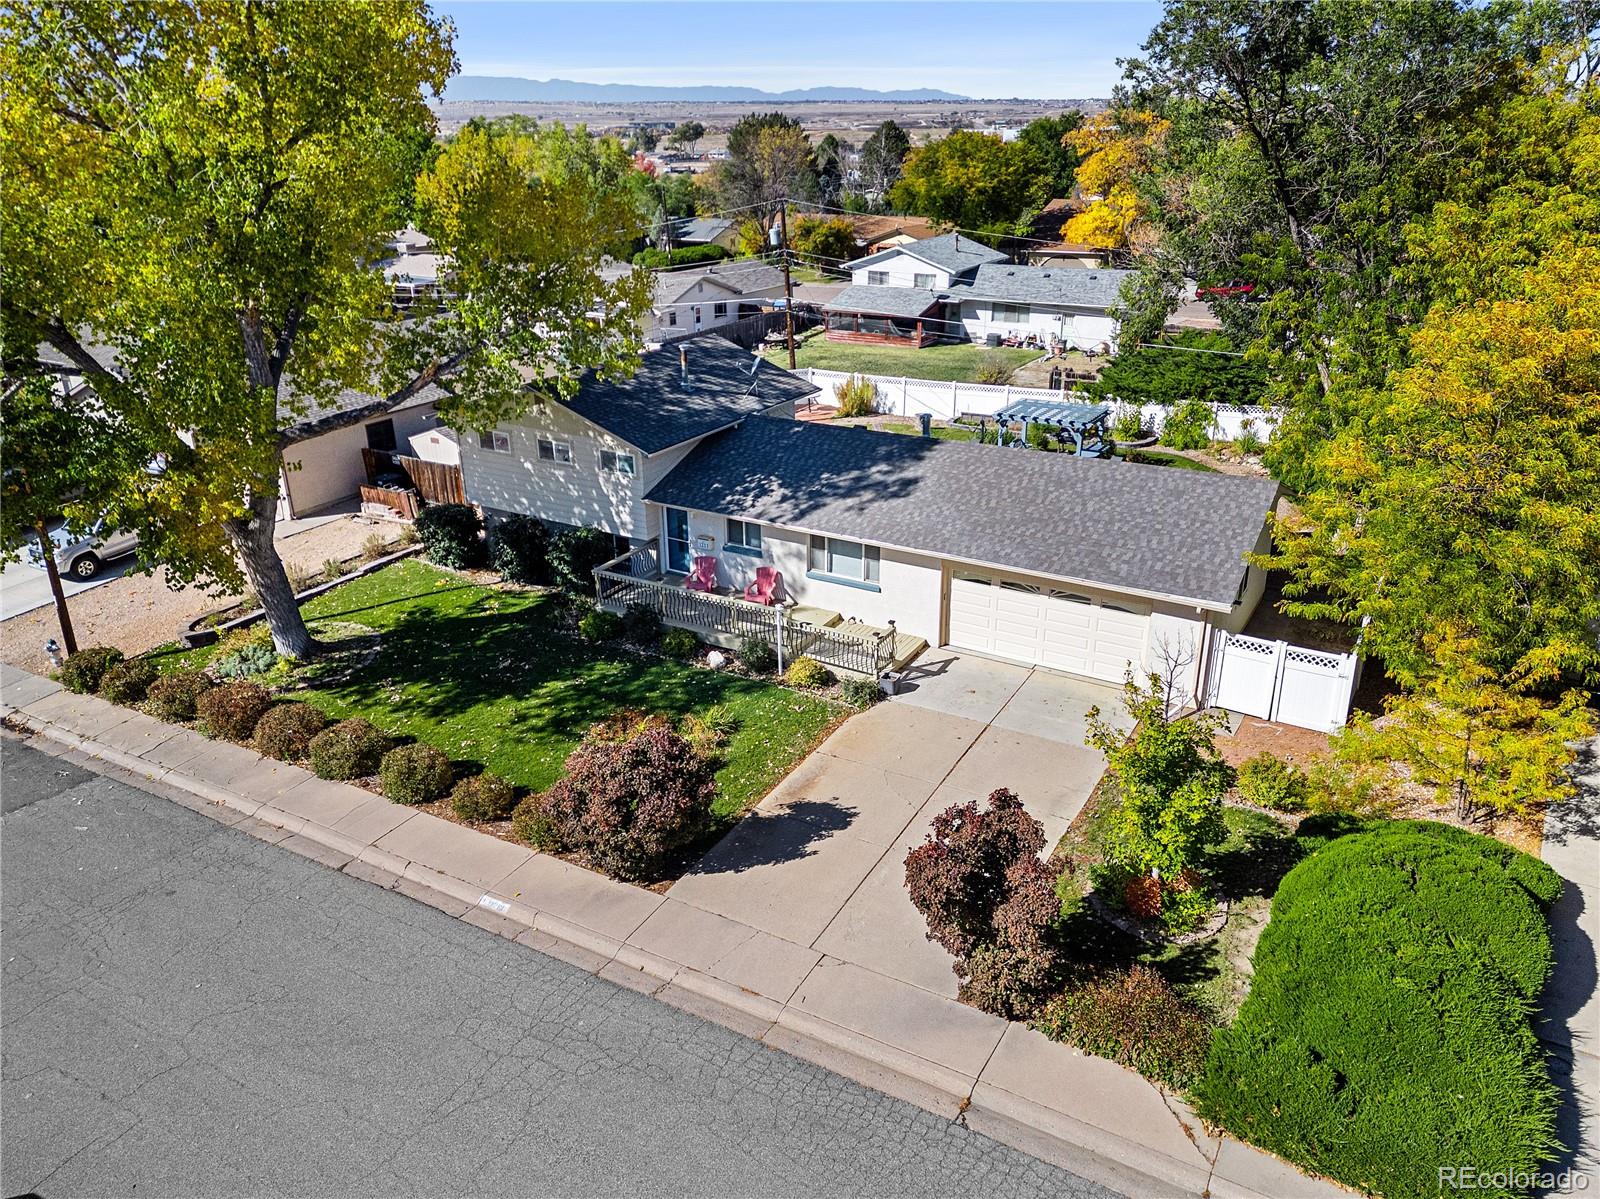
(555, 451)
(380, 435)
(923, 281)
(1012, 314)
(744, 537)
(497, 440)
(845, 561)
(672, 316)
(719, 310)
(623, 464)
(878, 278)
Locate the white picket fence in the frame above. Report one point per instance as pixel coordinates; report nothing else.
(903, 396)
(1275, 680)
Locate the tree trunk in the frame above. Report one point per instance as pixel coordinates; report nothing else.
(258, 555)
(69, 639)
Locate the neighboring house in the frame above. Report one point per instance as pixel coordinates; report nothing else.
(1087, 566)
(322, 459)
(955, 288)
(708, 297)
(703, 231)
(414, 269)
(874, 232)
(589, 462)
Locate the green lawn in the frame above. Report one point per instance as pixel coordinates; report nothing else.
(946, 363)
(489, 677)
(940, 432)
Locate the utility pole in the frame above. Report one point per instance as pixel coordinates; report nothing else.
(788, 286)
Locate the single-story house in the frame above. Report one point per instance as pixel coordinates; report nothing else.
(322, 459)
(414, 269)
(708, 297)
(703, 231)
(589, 462)
(1082, 565)
(1087, 566)
(960, 289)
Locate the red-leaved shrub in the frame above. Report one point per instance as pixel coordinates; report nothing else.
(990, 902)
(1141, 895)
(1134, 1017)
(630, 804)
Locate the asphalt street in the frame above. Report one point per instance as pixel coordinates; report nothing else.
(185, 1010)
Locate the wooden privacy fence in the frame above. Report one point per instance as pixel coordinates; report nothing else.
(436, 482)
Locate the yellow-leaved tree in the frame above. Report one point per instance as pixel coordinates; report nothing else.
(1114, 147)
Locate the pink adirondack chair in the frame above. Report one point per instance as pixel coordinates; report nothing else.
(764, 590)
(704, 575)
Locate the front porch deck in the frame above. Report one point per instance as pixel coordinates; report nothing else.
(726, 619)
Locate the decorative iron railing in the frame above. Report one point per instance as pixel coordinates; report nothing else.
(635, 578)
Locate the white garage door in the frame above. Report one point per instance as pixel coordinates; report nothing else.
(1046, 625)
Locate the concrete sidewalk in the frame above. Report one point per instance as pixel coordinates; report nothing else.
(1571, 1003)
(1088, 1115)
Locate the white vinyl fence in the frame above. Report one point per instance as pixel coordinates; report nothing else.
(1274, 680)
(946, 401)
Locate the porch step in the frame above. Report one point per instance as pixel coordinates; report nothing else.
(822, 618)
(906, 645)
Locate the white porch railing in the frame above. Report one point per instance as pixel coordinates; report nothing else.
(635, 578)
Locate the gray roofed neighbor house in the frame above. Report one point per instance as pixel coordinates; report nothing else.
(953, 252)
(1070, 287)
(743, 276)
(699, 230)
(655, 409)
(883, 301)
(1146, 529)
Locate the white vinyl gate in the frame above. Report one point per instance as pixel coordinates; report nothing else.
(1277, 681)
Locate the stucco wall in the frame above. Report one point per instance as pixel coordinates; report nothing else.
(327, 469)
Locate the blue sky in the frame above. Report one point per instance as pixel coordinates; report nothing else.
(1046, 50)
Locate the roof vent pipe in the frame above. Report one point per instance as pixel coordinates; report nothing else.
(683, 363)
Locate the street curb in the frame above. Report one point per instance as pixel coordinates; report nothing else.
(1088, 1151)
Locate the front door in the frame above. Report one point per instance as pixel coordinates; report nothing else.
(678, 551)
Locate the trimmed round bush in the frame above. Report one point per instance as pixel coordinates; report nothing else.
(808, 672)
(1134, 1017)
(862, 693)
(757, 655)
(413, 774)
(1269, 782)
(600, 625)
(531, 825)
(83, 671)
(450, 535)
(173, 696)
(285, 732)
(128, 682)
(519, 549)
(680, 644)
(350, 749)
(482, 797)
(629, 805)
(232, 710)
(641, 625)
(1388, 1024)
(574, 553)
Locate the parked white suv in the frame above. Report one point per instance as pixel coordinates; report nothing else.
(83, 557)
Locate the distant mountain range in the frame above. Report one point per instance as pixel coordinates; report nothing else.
(566, 91)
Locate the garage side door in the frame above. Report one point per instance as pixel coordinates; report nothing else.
(1042, 625)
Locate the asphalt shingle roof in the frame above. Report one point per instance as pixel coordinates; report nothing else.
(953, 252)
(883, 301)
(655, 409)
(743, 276)
(699, 228)
(1125, 527)
(1073, 287)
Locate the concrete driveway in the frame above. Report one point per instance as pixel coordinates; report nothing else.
(821, 861)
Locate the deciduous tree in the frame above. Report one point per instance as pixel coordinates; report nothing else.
(206, 190)
(882, 155)
(974, 181)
